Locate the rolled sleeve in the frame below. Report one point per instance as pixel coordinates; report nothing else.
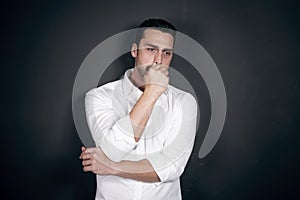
(114, 136)
(170, 162)
(123, 131)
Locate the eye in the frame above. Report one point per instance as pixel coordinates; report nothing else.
(167, 53)
(150, 49)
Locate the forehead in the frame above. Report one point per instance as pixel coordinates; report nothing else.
(157, 38)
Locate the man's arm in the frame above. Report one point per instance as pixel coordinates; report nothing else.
(156, 82)
(118, 138)
(163, 166)
(96, 161)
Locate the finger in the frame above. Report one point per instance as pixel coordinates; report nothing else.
(86, 156)
(80, 157)
(88, 168)
(83, 148)
(87, 162)
(155, 66)
(166, 73)
(163, 68)
(91, 150)
(82, 153)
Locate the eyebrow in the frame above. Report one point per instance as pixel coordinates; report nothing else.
(154, 46)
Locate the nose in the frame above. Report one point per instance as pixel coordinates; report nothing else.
(158, 57)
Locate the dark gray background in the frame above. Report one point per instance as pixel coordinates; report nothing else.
(255, 45)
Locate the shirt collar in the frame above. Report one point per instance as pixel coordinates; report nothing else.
(128, 87)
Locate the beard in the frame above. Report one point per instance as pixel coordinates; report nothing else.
(142, 70)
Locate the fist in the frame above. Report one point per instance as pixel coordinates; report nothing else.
(94, 160)
(156, 79)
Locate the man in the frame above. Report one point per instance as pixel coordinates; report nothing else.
(144, 128)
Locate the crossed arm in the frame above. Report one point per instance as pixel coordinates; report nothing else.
(96, 161)
(101, 162)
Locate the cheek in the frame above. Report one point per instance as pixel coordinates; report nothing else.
(167, 60)
(145, 57)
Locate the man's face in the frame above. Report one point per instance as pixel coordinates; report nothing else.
(155, 47)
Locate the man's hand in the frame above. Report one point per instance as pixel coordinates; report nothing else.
(156, 80)
(94, 160)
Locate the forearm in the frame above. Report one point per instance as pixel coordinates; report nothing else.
(94, 160)
(138, 170)
(141, 112)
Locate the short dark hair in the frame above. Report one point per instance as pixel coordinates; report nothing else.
(159, 24)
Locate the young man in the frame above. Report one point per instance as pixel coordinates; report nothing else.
(144, 128)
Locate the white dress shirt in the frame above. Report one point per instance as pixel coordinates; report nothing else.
(167, 140)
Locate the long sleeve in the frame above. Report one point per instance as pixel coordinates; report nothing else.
(114, 136)
(169, 163)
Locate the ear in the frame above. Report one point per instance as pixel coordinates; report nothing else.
(134, 50)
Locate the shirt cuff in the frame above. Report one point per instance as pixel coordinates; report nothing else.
(160, 164)
(124, 131)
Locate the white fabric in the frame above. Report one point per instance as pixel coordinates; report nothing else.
(167, 140)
